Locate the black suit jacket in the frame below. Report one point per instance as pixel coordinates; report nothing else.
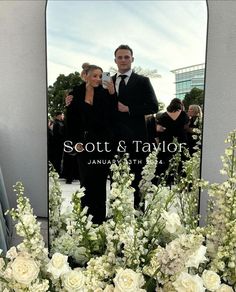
(141, 100)
(98, 124)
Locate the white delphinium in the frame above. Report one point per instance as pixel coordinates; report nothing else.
(78, 227)
(148, 173)
(40, 286)
(221, 236)
(27, 226)
(121, 197)
(99, 270)
(186, 190)
(55, 202)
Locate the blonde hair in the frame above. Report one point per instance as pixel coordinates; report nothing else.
(196, 109)
(84, 71)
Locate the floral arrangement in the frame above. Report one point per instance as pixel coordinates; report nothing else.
(158, 247)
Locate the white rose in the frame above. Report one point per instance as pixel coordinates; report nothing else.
(58, 265)
(74, 281)
(211, 280)
(188, 283)
(224, 288)
(24, 270)
(198, 257)
(128, 281)
(173, 223)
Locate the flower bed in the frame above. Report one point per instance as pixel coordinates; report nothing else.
(156, 248)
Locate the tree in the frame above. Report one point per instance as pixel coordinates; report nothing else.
(195, 96)
(57, 91)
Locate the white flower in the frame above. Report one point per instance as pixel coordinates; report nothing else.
(58, 265)
(39, 286)
(109, 288)
(11, 253)
(188, 283)
(173, 223)
(128, 281)
(2, 264)
(224, 288)
(74, 281)
(24, 270)
(198, 257)
(211, 280)
(28, 219)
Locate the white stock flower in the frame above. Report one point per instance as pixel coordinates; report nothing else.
(74, 281)
(2, 264)
(24, 270)
(39, 286)
(198, 257)
(128, 281)
(58, 265)
(11, 253)
(173, 223)
(224, 288)
(28, 219)
(109, 288)
(211, 280)
(188, 283)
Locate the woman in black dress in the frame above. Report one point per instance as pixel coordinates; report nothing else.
(89, 120)
(171, 124)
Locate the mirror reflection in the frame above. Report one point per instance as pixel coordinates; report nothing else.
(125, 77)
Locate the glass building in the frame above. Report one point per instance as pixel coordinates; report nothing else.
(187, 78)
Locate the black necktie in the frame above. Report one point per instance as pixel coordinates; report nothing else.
(122, 86)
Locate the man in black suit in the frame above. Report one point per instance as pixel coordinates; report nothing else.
(136, 98)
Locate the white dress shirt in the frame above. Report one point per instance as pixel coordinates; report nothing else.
(118, 78)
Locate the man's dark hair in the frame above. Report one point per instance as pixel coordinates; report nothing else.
(124, 47)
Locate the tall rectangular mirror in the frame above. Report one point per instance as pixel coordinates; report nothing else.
(159, 47)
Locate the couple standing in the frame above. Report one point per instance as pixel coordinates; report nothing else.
(98, 115)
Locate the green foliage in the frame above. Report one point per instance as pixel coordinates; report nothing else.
(57, 91)
(195, 96)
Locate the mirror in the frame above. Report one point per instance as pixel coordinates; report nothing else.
(168, 39)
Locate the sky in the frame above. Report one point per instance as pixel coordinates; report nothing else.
(164, 35)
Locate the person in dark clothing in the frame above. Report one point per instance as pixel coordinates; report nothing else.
(89, 122)
(194, 126)
(136, 98)
(58, 132)
(171, 124)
